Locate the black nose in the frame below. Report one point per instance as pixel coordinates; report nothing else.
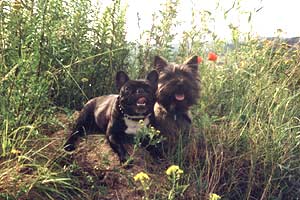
(140, 91)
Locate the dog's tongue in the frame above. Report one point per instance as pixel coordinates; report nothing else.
(179, 97)
(141, 100)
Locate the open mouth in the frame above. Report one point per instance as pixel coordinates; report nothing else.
(179, 97)
(141, 102)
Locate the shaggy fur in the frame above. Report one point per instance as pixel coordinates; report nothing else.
(178, 89)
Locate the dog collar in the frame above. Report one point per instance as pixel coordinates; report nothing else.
(136, 118)
(131, 117)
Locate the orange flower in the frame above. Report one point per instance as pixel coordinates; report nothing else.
(212, 56)
(199, 59)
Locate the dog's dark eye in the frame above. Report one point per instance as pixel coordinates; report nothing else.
(126, 89)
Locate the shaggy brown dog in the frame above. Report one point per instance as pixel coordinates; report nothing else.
(178, 89)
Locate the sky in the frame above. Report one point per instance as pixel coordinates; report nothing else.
(272, 15)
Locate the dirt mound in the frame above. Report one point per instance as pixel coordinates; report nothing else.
(94, 159)
(94, 170)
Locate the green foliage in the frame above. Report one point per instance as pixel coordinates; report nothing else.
(252, 106)
(67, 44)
(57, 54)
(53, 54)
(158, 40)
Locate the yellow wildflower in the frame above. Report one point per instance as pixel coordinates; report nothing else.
(142, 177)
(141, 122)
(15, 151)
(84, 80)
(174, 169)
(213, 196)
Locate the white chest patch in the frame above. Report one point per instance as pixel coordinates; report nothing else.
(134, 126)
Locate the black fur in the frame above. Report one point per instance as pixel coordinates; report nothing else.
(106, 114)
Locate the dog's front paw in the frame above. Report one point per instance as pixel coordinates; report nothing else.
(69, 147)
(126, 161)
(156, 152)
(128, 164)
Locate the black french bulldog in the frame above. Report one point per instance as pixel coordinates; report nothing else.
(118, 115)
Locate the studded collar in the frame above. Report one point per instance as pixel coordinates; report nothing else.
(130, 117)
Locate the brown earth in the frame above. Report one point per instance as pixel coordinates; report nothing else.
(94, 157)
(93, 167)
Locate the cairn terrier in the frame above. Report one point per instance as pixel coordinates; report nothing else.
(178, 89)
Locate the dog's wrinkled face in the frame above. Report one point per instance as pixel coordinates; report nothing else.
(137, 97)
(178, 85)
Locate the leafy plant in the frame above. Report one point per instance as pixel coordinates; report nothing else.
(55, 55)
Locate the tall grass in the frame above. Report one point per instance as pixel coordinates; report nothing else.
(251, 110)
(55, 55)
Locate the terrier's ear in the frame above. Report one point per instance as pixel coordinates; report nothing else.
(192, 62)
(121, 79)
(160, 63)
(152, 77)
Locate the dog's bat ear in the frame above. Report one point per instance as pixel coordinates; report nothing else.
(192, 62)
(160, 63)
(152, 77)
(121, 79)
